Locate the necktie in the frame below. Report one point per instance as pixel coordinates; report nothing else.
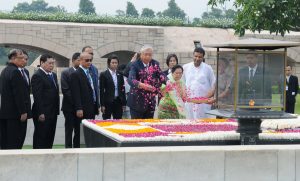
(251, 74)
(91, 83)
(115, 79)
(50, 76)
(24, 76)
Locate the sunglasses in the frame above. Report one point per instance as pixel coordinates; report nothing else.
(88, 60)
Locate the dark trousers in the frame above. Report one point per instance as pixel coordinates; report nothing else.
(147, 114)
(115, 109)
(44, 132)
(13, 133)
(72, 123)
(290, 107)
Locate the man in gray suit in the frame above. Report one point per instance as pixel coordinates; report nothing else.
(72, 123)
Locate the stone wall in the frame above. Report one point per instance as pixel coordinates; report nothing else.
(201, 163)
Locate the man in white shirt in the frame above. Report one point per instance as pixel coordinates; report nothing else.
(200, 82)
(112, 90)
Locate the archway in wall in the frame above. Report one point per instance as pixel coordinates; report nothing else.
(61, 61)
(124, 56)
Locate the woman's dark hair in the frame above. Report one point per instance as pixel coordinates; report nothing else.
(169, 58)
(200, 50)
(112, 57)
(176, 67)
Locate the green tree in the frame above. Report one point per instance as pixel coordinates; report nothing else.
(37, 5)
(230, 13)
(256, 15)
(174, 11)
(149, 13)
(214, 13)
(159, 14)
(131, 11)
(120, 12)
(86, 7)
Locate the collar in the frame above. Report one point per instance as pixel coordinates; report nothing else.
(47, 73)
(112, 72)
(21, 69)
(84, 69)
(254, 68)
(145, 65)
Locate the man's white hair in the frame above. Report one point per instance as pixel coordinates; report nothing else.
(146, 47)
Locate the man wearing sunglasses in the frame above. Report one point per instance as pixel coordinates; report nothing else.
(84, 93)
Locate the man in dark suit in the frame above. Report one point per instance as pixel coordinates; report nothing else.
(254, 84)
(112, 90)
(45, 107)
(93, 69)
(84, 94)
(15, 101)
(292, 87)
(72, 123)
(145, 79)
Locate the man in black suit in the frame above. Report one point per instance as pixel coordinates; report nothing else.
(84, 94)
(254, 83)
(72, 123)
(112, 90)
(292, 87)
(15, 101)
(45, 107)
(93, 69)
(145, 79)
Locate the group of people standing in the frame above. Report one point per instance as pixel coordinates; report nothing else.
(179, 92)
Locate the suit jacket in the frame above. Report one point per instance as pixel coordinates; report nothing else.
(45, 94)
(140, 99)
(293, 87)
(107, 88)
(82, 94)
(67, 103)
(15, 93)
(127, 69)
(259, 88)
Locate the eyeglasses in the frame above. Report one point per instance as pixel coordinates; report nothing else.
(88, 60)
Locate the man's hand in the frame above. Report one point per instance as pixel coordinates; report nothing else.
(103, 109)
(23, 117)
(42, 117)
(79, 113)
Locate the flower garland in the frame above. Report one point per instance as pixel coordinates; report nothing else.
(129, 130)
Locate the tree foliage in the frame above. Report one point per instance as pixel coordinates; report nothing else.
(149, 13)
(219, 13)
(86, 7)
(131, 10)
(37, 5)
(174, 11)
(256, 15)
(120, 12)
